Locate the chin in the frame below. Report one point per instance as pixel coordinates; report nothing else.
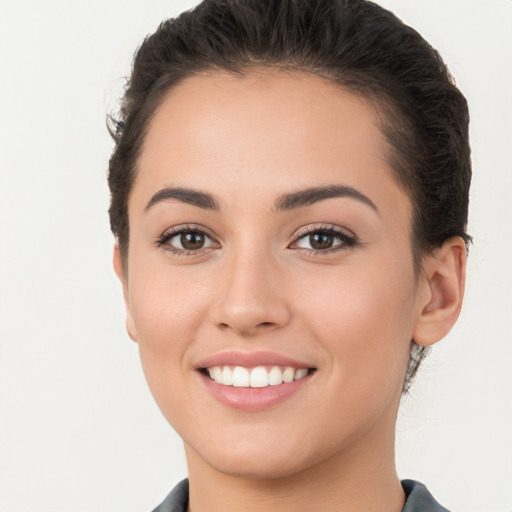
(260, 457)
(258, 466)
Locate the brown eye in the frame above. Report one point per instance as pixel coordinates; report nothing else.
(319, 241)
(192, 241)
(325, 240)
(186, 241)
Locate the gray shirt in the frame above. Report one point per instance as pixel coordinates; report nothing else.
(418, 499)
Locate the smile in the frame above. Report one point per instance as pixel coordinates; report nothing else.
(254, 381)
(256, 377)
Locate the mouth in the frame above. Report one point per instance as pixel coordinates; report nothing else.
(254, 381)
(255, 377)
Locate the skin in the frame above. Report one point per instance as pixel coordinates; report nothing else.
(350, 313)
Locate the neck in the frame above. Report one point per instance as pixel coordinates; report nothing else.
(361, 477)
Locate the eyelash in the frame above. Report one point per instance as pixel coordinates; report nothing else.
(162, 241)
(346, 238)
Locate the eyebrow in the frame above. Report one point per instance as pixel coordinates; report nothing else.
(309, 196)
(286, 202)
(185, 195)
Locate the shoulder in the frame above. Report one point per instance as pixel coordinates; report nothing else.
(419, 498)
(177, 500)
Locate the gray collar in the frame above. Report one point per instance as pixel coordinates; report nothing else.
(418, 499)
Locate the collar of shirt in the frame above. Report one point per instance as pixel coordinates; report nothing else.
(418, 499)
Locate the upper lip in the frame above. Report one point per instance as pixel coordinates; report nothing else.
(251, 359)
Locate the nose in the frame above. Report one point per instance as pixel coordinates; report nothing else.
(250, 297)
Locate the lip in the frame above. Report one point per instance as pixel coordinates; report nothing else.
(252, 399)
(251, 359)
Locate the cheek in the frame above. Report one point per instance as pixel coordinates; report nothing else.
(166, 305)
(167, 309)
(364, 318)
(363, 323)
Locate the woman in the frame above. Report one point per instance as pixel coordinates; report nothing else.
(289, 193)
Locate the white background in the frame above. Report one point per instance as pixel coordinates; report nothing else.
(78, 428)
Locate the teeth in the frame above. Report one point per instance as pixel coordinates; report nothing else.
(300, 373)
(227, 376)
(275, 376)
(288, 374)
(258, 377)
(241, 378)
(217, 374)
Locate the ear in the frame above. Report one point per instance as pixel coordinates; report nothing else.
(122, 275)
(444, 276)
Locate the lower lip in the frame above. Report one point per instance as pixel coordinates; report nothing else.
(253, 399)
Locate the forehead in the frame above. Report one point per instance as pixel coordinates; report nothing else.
(266, 131)
(257, 111)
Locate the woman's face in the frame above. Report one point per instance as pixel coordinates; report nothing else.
(267, 231)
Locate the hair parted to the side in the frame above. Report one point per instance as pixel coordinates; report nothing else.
(356, 44)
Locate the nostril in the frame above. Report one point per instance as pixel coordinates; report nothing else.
(265, 324)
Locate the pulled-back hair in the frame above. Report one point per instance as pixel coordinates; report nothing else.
(356, 44)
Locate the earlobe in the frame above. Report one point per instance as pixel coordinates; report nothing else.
(123, 278)
(444, 280)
